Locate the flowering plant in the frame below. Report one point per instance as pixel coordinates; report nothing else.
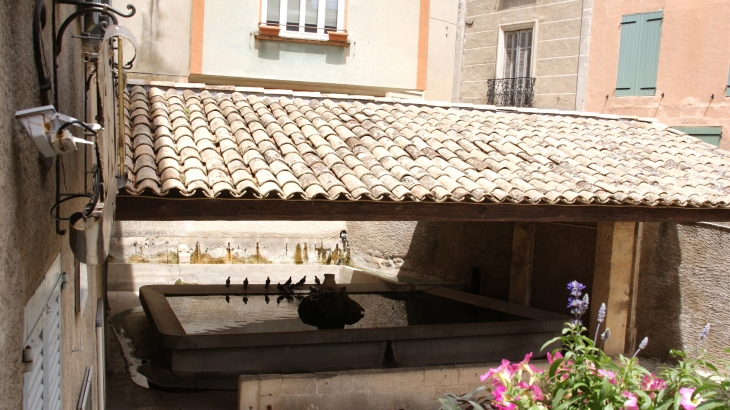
(582, 376)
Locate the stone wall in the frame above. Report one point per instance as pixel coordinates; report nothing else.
(556, 28)
(406, 388)
(683, 285)
(29, 243)
(455, 251)
(222, 242)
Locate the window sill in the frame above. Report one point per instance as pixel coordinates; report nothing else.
(265, 37)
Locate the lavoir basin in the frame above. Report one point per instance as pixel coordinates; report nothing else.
(228, 331)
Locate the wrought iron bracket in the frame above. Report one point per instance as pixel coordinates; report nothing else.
(89, 8)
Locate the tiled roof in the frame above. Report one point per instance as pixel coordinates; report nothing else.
(226, 143)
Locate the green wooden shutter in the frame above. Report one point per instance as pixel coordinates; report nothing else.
(727, 88)
(638, 60)
(651, 31)
(628, 55)
(710, 135)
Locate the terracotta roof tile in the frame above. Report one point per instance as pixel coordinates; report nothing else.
(235, 144)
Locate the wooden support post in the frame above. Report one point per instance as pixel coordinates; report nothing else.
(523, 244)
(612, 280)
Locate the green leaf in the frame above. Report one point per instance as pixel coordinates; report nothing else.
(558, 397)
(476, 405)
(711, 405)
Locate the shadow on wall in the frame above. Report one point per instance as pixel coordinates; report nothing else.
(659, 302)
(271, 50)
(508, 4)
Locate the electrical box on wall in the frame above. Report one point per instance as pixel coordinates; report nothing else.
(48, 130)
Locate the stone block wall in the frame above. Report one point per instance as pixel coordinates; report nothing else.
(556, 46)
(404, 388)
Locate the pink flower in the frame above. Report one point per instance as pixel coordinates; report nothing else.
(651, 382)
(551, 358)
(631, 401)
(608, 375)
(687, 402)
(501, 374)
(537, 393)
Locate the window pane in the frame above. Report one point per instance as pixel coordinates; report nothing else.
(525, 53)
(330, 14)
(310, 16)
(292, 15)
(509, 53)
(272, 11)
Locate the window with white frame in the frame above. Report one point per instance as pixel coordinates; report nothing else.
(304, 18)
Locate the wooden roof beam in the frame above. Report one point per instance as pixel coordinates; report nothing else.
(145, 208)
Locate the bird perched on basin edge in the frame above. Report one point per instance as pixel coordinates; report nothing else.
(245, 283)
(301, 281)
(228, 282)
(313, 289)
(268, 282)
(343, 236)
(288, 282)
(316, 280)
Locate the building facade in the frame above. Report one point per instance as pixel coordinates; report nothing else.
(663, 59)
(528, 53)
(404, 47)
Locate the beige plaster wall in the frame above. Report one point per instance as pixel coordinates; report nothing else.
(162, 29)
(683, 285)
(28, 241)
(556, 47)
(383, 53)
(441, 49)
(694, 59)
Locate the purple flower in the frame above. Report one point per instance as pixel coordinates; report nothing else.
(576, 288)
(602, 313)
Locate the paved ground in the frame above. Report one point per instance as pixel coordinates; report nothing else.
(124, 394)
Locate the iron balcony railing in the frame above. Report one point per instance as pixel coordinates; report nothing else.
(511, 92)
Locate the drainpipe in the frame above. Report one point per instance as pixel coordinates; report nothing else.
(100, 353)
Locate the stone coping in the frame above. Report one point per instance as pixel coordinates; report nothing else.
(400, 388)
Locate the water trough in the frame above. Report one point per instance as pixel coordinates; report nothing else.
(404, 325)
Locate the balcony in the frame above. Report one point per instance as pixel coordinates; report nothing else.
(511, 92)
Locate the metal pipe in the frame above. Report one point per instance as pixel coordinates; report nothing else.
(120, 96)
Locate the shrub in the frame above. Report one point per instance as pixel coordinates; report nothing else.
(582, 376)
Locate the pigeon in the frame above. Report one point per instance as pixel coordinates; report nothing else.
(288, 282)
(301, 281)
(316, 280)
(245, 300)
(228, 282)
(268, 282)
(228, 299)
(266, 298)
(245, 283)
(281, 288)
(313, 289)
(343, 236)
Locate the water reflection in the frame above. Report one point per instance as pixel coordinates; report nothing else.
(210, 314)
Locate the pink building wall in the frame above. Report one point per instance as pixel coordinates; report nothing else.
(694, 60)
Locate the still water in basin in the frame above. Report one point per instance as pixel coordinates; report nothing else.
(212, 314)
